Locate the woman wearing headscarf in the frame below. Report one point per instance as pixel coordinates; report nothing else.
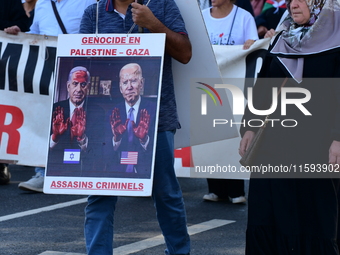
(292, 215)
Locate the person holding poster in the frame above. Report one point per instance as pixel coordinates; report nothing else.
(161, 16)
(76, 130)
(132, 123)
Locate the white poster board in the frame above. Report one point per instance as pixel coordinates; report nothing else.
(84, 156)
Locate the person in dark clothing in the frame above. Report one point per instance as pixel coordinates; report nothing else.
(29, 6)
(297, 214)
(118, 16)
(12, 13)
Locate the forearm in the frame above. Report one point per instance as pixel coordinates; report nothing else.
(177, 45)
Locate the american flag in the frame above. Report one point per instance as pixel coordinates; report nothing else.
(129, 157)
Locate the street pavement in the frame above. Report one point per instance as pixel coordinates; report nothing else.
(40, 224)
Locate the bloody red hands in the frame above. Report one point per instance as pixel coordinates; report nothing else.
(141, 131)
(78, 124)
(117, 127)
(59, 126)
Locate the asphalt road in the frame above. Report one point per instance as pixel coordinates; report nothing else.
(39, 224)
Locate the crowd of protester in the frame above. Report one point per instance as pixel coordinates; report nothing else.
(279, 210)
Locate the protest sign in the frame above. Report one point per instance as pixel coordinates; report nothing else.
(105, 114)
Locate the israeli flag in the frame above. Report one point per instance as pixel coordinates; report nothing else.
(71, 156)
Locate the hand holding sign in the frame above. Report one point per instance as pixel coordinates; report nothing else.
(143, 16)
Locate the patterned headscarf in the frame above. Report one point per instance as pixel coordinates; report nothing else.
(319, 34)
(315, 8)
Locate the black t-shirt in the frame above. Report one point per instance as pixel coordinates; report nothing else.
(12, 13)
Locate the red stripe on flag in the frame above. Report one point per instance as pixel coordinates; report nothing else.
(129, 157)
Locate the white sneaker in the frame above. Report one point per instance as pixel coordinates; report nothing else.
(211, 197)
(238, 200)
(36, 183)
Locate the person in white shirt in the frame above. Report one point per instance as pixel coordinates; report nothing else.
(45, 22)
(228, 24)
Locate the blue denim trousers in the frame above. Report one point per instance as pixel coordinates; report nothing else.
(168, 201)
(40, 170)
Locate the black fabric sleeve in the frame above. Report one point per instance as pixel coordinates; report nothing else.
(335, 132)
(12, 13)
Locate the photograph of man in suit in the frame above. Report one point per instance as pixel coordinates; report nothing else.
(132, 125)
(77, 130)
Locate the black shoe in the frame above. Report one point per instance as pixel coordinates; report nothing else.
(5, 175)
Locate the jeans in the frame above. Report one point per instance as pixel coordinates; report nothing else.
(168, 201)
(40, 170)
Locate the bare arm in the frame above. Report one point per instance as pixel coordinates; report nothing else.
(177, 45)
